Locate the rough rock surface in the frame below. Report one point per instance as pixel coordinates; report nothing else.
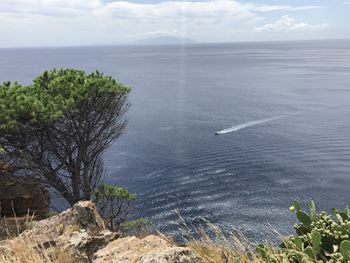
(151, 249)
(79, 230)
(83, 244)
(22, 197)
(82, 216)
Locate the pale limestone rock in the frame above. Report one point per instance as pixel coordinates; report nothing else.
(171, 254)
(83, 244)
(151, 249)
(83, 215)
(79, 230)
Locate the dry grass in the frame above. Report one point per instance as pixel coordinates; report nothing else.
(208, 242)
(214, 246)
(13, 226)
(236, 249)
(217, 248)
(27, 251)
(24, 249)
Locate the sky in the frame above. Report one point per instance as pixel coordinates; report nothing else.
(39, 23)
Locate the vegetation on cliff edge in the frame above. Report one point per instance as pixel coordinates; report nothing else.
(56, 129)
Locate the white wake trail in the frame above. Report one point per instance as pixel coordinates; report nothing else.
(247, 124)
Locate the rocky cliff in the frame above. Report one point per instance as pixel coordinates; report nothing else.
(82, 236)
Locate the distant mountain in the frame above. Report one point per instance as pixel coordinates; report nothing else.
(164, 40)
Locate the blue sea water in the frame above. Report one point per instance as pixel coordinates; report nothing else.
(292, 99)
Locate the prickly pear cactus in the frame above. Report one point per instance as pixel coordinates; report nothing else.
(319, 238)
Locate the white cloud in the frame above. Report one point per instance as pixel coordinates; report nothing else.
(53, 3)
(86, 22)
(124, 9)
(160, 33)
(289, 24)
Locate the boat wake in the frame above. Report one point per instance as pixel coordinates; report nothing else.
(247, 124)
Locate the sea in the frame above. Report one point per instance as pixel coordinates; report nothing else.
(227, 133)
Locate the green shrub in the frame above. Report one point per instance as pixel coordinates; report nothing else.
(114, 204)
(137, 227)
(320, 237)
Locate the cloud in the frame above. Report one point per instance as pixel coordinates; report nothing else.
(131, 10)
(289, 24)
(161, 33)
(90, 22)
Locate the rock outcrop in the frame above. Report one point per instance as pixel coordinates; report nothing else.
(80, 232)
(22, 197)
(151, 249)
(82, 216)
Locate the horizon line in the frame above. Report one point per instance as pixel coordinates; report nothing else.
(134, 44)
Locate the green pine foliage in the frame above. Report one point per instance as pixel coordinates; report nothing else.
(114, 204)
(108, 191)
(138, 227)
(57, 128)
(50, 95)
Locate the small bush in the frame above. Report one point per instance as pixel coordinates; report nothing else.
(138, 227)
(114, 204)
(320, 237)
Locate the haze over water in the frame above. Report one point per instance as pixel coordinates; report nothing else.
(182, 95)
